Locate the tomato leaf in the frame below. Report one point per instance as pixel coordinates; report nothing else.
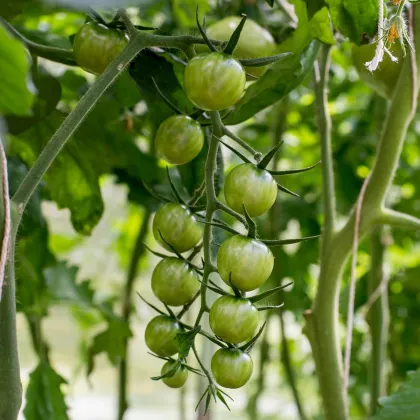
(16, 90)
(404, 404)
(44, 396)
(185, 341)
(354, 18)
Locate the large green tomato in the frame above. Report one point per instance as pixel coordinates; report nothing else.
(160, 335)
(233, 319)
(250, 186)
(232, 368)
(179, 139)
(178, 379)
(384, 79)
(254, 42)
(95, 46)
(214, 81)
(178, 227)
(174, 282)
(247, 261)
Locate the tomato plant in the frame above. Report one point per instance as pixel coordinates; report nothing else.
(178, 378)
(233, 319)
(95, 46)
(174, 282)
(175, 226)
(232, 368)
(160, 335)
(179, 139)
(246, 185)
(214, 81)
(254, 42)
(245, 261)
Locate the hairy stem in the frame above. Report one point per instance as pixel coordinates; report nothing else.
(127, 304)
(378, 319)
(323, 322)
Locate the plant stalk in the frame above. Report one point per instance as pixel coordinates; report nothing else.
(127, 308)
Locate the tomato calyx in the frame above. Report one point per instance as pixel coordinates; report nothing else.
(247, 347)
(233, 40)
(238, 293)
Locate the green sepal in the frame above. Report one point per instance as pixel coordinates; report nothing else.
(247, 347)
(294, 171)
(203, 33)
(233, 40)
(173, 188)
(286, 190)
(263, 61)
(281, 242)
(252, 227)
(269, 156)
(268, 293)
(269, 307)
(165, 99)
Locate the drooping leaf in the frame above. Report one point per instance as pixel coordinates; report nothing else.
(16, 90)
(44, 396)
(354, 18)
(403, 404)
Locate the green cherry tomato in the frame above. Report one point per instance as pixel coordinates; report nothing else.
(160, 335)
(231, 368)
(214, 81)
(178, 379)
(179, 139)
(233, 319)
(178, 227)
(247, 261)
(95, 46)
(174, 282)
(384, 79)
(250, 186)
(254, 42)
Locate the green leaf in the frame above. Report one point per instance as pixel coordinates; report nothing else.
(403, 404)
(16, 90)
(44, 397)
(320, 26)
(275, 84)
(186, 341)
(354, 18)
(112, 341)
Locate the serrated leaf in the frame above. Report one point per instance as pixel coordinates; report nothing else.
(44, 397)
(404, 404)
(16, 90)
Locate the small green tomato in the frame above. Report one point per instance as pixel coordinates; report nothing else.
(231, 368)
(247, 261)
(160, 335)
(178, 379)
(214, 81)
(233, 319)
(250, 186)
(179, 139)
(178, 227)
(174, 282)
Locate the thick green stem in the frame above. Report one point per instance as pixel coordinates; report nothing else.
(10, 385)
(323, 322)
(127, 307)
(378, 319)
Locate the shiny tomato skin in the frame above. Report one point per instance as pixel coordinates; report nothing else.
(178, 379)
(254, 42)
(231, 368)
(95, 46)
(233, 319)
(178, 227)
(160, 335)
(248, 261)
(214, 81)
(174, 282)
(255, 188)
(384, 79)
(179, 139)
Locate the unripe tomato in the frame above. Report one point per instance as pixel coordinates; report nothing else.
(233, 319)
(214, 81)
(248, 262)
(254, 42)
(174, 282)
(250, 186)
(178, 379)
(179, 139)
(160, 335)
(178, 227)
(384, 79)
(231, 368)
(95, 46)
